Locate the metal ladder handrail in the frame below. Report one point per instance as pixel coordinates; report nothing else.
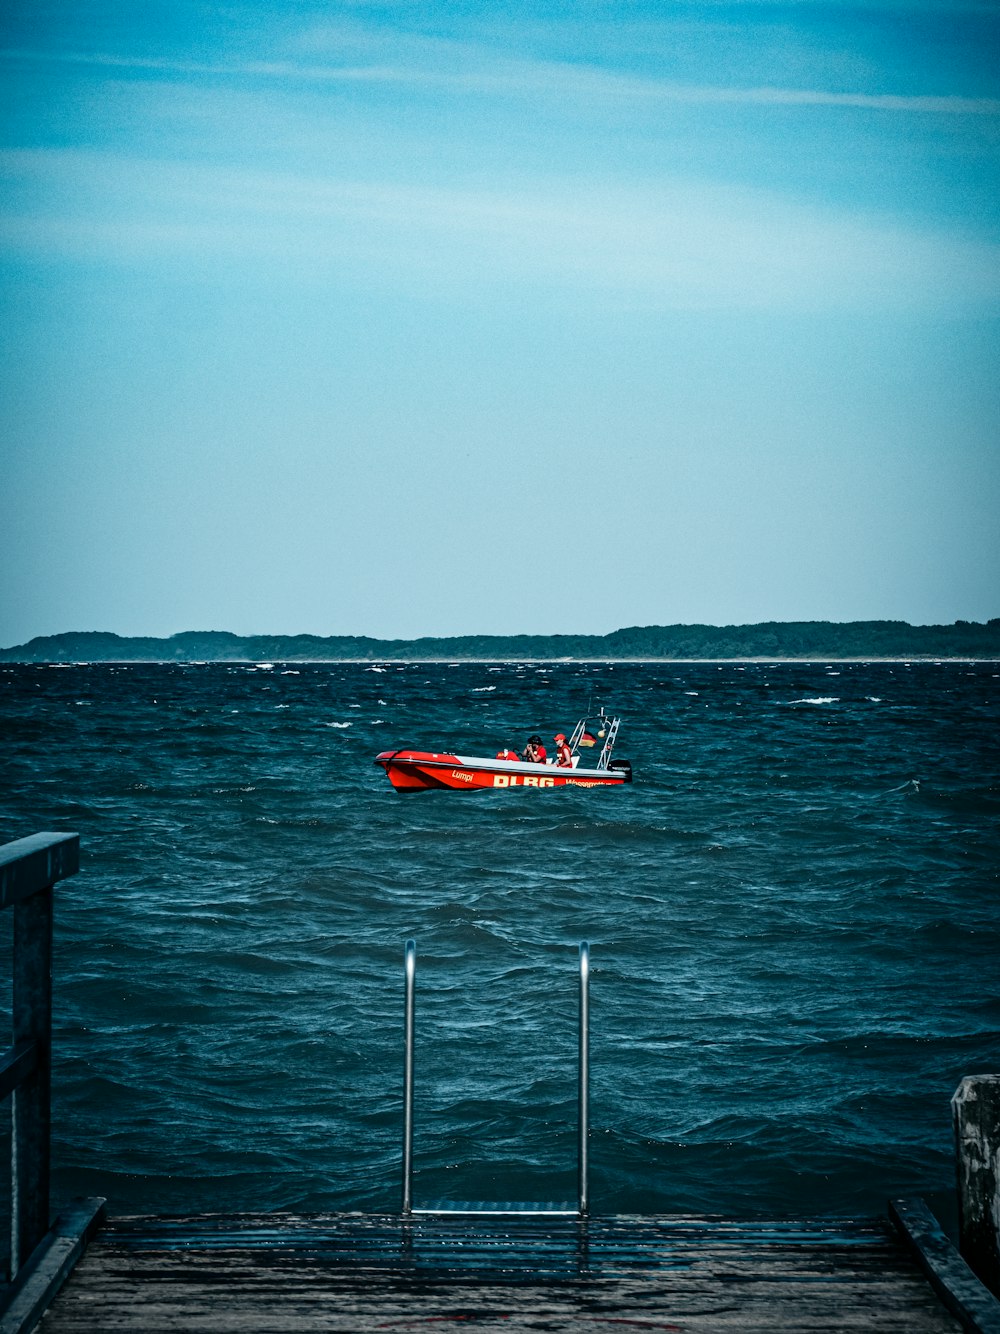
(583, 1093)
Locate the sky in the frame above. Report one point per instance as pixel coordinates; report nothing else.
(440, 319)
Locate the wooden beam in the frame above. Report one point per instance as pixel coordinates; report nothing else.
(32, 1119)
(948, 1274)
(30, 1295)
(976, 1111)
(30, 864)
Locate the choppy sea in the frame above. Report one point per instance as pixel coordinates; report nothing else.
(792, 913)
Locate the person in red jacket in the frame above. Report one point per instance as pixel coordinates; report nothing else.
(564, 756)
(534, 751)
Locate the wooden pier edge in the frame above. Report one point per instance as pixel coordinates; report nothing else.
(976, 1118)
(50, 1264)
(948, 1274)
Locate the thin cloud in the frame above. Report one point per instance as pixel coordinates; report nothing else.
(480, 75)
(947, 106)
(681, 244)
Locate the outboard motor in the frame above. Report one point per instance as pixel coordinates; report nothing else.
(622, 767)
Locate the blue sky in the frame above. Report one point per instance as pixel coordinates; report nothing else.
(432, 319)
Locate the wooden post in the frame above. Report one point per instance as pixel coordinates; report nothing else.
(32, 1022)
(976, 1112)
(29, 868)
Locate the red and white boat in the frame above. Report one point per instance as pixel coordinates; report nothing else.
(421, 770)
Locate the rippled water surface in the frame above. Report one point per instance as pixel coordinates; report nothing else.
(792, 915)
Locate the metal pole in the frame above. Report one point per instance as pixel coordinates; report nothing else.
(410, 968)
(584, 1117)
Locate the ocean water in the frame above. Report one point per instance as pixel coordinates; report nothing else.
(792, 912)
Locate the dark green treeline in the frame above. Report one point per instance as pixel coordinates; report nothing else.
(771, 639)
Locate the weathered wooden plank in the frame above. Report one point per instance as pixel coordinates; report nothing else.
(29, 864)
(355, 1272)
(48, 1268)
(976, 1112)
(286, 1306)
(950, 1276)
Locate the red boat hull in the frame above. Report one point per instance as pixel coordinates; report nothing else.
(420, 770)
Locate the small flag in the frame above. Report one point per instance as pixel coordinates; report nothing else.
(588, 740)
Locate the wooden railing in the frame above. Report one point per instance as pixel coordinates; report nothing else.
(29, 868)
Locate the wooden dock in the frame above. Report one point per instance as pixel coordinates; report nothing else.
(496, 1270)
(222, 1274)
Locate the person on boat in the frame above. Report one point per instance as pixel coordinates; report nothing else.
(534, 751)
(507, 755)
(564, 756)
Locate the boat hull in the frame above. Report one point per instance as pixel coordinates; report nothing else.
(421, 771)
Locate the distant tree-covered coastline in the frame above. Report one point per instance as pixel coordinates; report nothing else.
(770, 639)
